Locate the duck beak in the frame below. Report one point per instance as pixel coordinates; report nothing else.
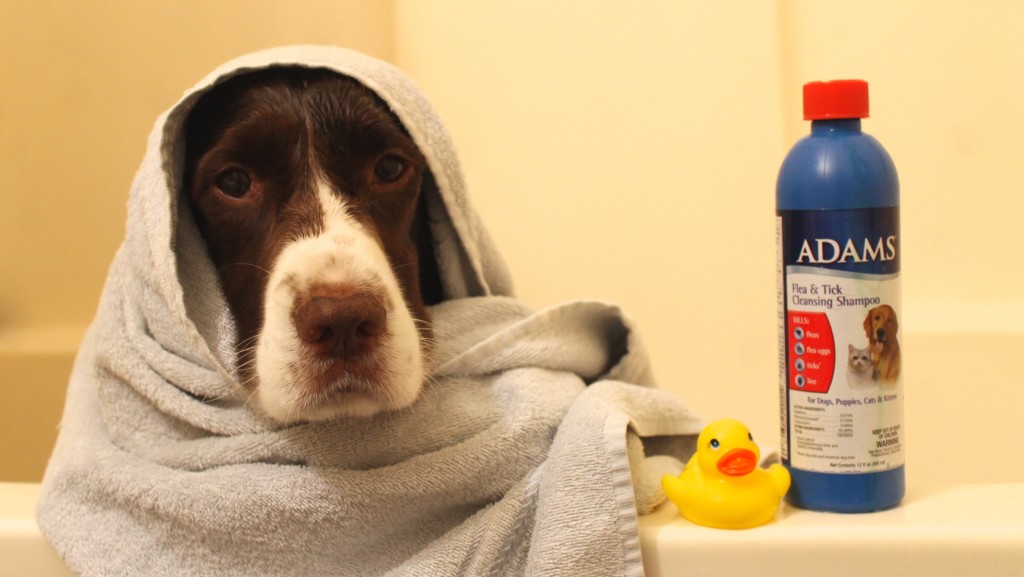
(737, 462)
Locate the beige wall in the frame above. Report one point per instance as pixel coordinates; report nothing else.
(618, 151)
(630, 152)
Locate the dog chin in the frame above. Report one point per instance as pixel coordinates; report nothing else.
(290, 386)
(284, 406)
(289, 394)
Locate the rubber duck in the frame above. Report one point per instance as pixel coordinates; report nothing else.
(722, 485)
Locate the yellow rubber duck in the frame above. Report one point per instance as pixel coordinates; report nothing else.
(722, 486)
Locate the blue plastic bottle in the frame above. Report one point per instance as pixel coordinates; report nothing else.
(841, 393)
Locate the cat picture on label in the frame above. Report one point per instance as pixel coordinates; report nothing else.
(860, 371)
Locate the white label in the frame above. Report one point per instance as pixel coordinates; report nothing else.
(840, 361)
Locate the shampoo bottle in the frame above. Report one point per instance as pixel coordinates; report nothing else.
(840, 378)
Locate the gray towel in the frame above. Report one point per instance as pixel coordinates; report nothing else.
(514, 461)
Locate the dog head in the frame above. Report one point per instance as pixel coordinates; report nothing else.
(307, 192)
(880, 325)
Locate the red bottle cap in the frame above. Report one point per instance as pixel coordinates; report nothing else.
(835, 99)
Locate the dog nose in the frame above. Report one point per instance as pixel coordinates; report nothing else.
(340, 326)
(880, 335)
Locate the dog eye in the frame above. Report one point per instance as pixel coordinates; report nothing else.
(234, 183)
(389, 168)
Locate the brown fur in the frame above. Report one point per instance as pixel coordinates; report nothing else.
(881, 327)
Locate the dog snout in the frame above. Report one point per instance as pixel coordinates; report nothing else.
(341, 324)
(880, 335)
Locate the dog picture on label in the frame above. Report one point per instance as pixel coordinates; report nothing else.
(881, 326)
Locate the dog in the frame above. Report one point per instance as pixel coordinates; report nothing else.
(307, 191)
(881, 326)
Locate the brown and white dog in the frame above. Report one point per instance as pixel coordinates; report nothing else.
(881, 326)
(307, 192)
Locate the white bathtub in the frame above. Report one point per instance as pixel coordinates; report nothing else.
(950, 531)
(23, 551)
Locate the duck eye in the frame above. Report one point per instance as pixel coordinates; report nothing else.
(389, 168)
(234, 183)
(750, 436)
(714, 443)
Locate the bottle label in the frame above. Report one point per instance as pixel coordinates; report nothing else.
(839, 356)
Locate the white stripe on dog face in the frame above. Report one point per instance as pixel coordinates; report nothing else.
(294, 384)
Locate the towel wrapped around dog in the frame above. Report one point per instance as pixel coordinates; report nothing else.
(521, 456)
